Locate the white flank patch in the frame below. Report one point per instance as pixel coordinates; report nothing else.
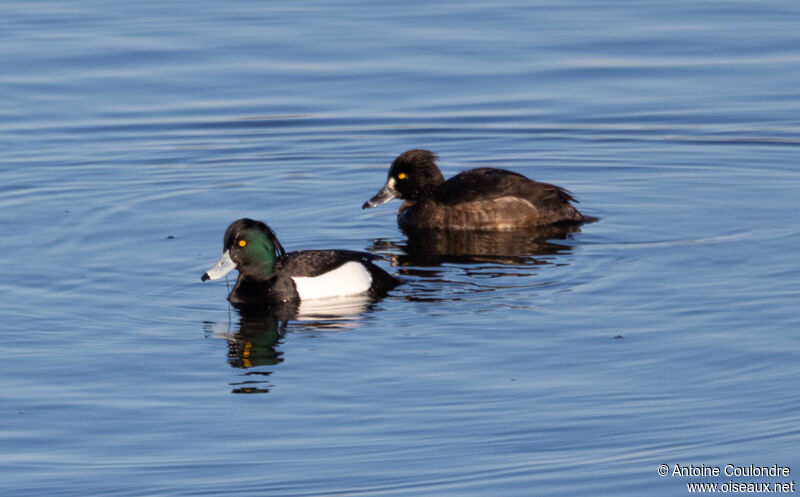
(350, 278)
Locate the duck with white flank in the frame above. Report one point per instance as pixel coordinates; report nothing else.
(268, 275)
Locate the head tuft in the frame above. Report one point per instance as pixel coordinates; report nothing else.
(241, 227)
(415, 175)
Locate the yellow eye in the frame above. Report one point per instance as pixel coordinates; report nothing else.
(401, 176)
(242, 243)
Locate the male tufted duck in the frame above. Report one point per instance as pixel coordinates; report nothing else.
(268, 275)
(478, 199)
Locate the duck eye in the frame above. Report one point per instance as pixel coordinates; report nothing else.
(401, 176)
(242, 243)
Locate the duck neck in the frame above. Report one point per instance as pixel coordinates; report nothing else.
(259, 272)
(427, 189)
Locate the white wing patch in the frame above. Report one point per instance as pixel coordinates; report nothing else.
(350, 278)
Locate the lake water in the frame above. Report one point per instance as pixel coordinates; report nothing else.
(133, 133)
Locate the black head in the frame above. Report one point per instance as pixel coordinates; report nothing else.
(249, 246)
(413, 176)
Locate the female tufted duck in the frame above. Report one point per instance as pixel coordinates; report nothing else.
(478, 199)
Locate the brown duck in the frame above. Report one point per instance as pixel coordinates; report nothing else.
(477, 199)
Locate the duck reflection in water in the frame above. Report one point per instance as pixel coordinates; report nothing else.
(253, 342)
(517, 246)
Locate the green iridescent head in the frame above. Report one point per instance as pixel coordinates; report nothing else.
(250, 247)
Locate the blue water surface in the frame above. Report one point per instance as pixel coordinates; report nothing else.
(133, 133)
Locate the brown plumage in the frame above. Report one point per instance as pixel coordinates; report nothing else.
(477, 199)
